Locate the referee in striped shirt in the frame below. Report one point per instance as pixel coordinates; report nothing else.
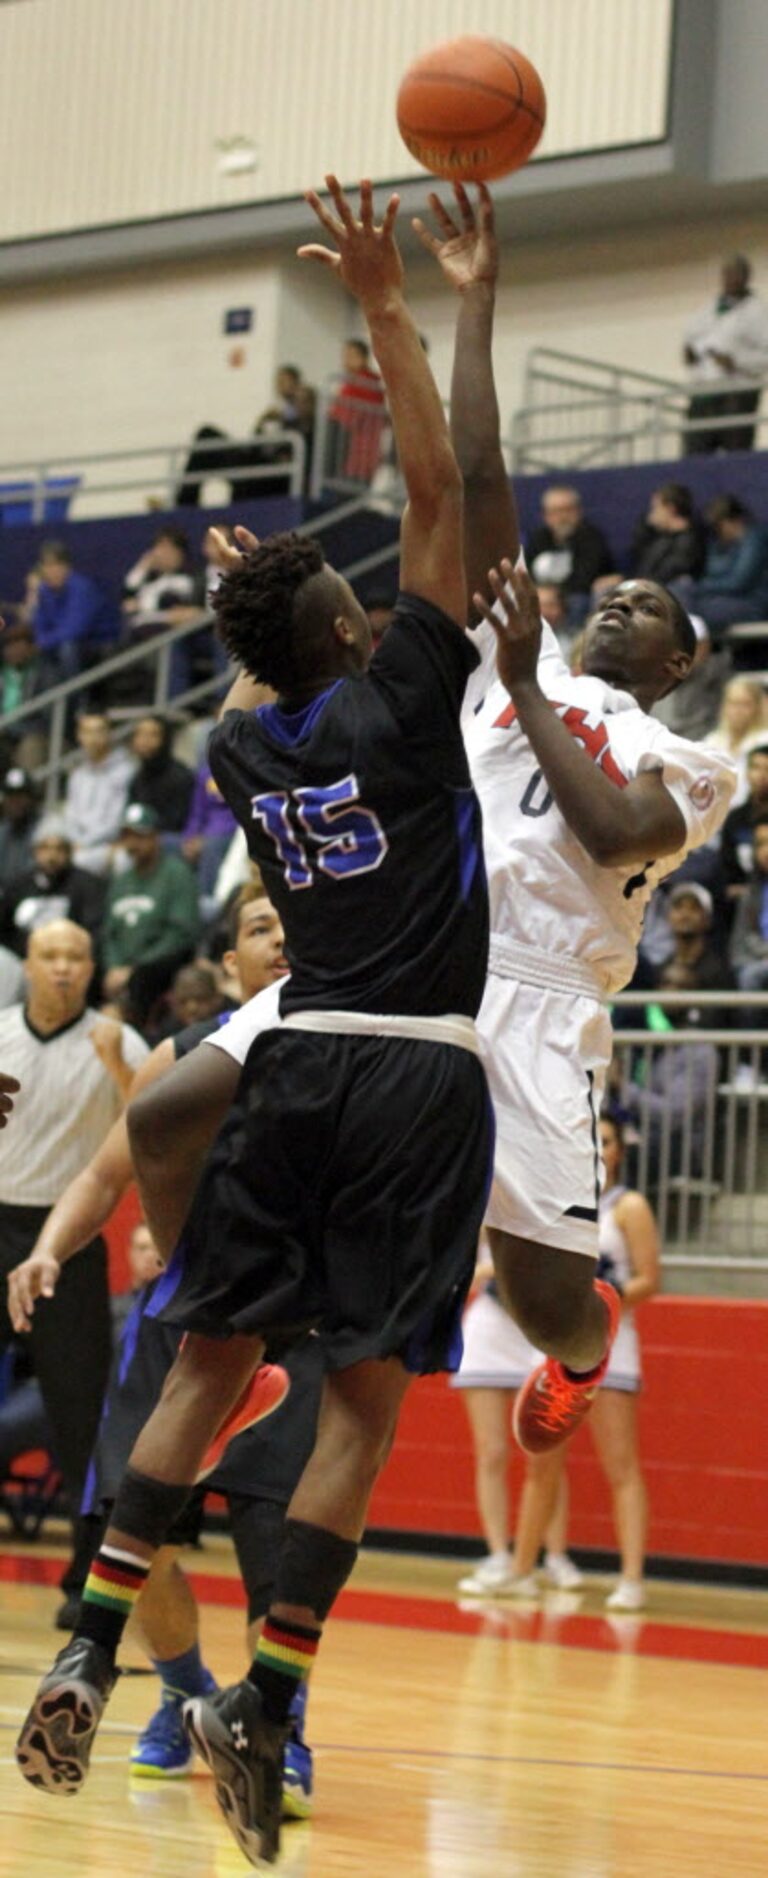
(75, 1069)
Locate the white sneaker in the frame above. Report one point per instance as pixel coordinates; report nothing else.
(629, 1595)
(559, 1570)
(494, 1578)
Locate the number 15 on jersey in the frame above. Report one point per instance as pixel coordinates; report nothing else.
(325, 829)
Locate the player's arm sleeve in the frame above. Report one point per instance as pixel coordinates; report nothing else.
(701, 782)
(421, 669)
(259, 1014)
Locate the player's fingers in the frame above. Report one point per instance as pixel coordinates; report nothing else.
(440, 212)
(340, 202)
(390, 216)
(366, 203)
(324, 215)
(485, 205)
(19, 1302)
(479, 600)
(466, 210)
(249, 542)
(313, 252)
(428, 240)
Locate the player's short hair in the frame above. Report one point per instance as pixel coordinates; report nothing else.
(253, 889)
(261, 608)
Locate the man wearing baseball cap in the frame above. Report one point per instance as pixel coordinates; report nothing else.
(152, 923)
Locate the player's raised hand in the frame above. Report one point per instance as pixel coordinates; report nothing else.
(366, 256)
(35, 1278)
(515, 617)
(466, 247)
(226, 554)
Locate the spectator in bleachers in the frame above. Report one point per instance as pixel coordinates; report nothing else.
(203, 647)
(733, 588)
(293, 409)
(151, 924)
(554, 609)
(749, 939)
(208, 830)
(73, 620)
(97, 792)
(19, 810)
(159, 581)
(159, 781)
(678, 1085)
(670, 541)
(52, 888)
(690, 914)
(24, 674)
(725, 341)
(359, 412)
(194, 997)
(566, 550)
(741, 726)
(736, 848)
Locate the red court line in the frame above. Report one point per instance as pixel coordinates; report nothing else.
(573, 1630)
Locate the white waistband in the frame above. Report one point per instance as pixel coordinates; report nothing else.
(552, 971)
(452, 1028)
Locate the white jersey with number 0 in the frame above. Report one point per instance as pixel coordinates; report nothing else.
(545, 891)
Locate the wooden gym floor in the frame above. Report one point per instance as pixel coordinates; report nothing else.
(529, 1741)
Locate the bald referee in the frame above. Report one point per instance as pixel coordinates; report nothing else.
(75, 1069)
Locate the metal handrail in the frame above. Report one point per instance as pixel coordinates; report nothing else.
(42, 474)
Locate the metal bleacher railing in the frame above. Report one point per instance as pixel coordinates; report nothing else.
(117, 481)
(153, 657)
(580, 414)
(697, 1103)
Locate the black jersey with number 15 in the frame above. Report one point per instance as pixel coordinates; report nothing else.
(360, 813)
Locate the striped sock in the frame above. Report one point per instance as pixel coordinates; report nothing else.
(284, 1657)
(114, 1582)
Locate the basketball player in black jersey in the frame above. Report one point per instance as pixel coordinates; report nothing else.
(356, 1171)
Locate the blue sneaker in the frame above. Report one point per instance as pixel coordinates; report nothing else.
(163, 1750)
(297, 1763)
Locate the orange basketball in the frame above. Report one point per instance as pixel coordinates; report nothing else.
(472, 109)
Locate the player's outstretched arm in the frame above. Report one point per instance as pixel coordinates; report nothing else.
(466, 249)
(82, 1209)
(367, 261)
(616, 826)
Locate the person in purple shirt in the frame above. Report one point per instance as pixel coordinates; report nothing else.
(208, 831)
(73, 619)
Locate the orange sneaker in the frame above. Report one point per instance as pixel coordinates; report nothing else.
(552, 1403)
(264, 1393)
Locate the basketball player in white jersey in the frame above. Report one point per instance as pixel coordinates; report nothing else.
(587, 803)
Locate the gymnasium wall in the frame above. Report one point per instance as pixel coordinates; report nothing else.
(113, 112)
(702, 1437)
(119, 360)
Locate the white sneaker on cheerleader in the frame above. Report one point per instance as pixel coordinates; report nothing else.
(629, 1595)
(494, 1578)
(559, 1570)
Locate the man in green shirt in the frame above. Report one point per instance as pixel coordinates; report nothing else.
(152, 919)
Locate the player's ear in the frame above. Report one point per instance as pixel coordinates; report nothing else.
(343, 629)
(678, 666)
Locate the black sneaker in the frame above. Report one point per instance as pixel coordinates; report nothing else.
(245, 1754)
(54, 1747)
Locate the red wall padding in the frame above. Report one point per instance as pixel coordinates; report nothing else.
(703, 1431)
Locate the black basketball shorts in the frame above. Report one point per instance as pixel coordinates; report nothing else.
(345, 1192)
